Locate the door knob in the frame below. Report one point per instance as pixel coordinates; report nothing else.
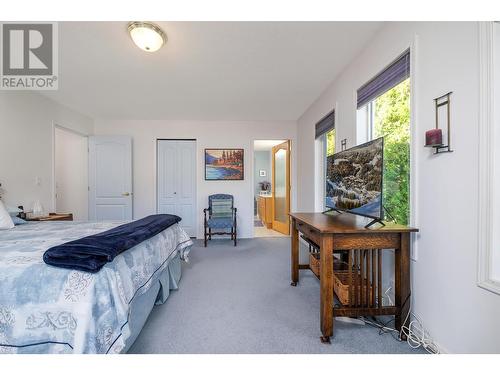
(126, 194)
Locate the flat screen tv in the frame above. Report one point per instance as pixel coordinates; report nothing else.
(354, 179)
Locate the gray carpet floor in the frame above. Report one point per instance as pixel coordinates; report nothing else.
(239, 300)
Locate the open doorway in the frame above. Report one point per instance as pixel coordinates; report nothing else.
(71, 173)
(271, 188)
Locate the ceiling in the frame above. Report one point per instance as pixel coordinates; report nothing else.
(266, 71)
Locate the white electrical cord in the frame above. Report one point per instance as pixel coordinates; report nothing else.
(386, 293)
(416, 335)
(382, 327)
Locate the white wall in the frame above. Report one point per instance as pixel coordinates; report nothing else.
(71, 173)
(459, 315)
(208, 135)
(27, 145)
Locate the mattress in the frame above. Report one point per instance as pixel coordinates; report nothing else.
(55, 310)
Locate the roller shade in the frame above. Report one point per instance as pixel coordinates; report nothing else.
(394, 74)
(325, 124)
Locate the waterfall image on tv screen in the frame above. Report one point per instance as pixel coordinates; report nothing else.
(354, 179)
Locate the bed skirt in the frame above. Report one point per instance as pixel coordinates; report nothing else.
(141, 307)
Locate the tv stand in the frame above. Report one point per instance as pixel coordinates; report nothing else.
(363, 276)
(374, 221)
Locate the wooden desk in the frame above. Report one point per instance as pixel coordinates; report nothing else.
(346, 232)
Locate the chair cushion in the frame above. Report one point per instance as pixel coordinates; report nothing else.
(222, 208)
(220, 223)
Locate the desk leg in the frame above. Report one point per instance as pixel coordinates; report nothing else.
(326, 286)
(402, 280)
(295, 254)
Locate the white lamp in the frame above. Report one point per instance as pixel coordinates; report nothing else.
(147, 36)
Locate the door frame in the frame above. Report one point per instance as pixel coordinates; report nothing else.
(155, 182)
(56, 125)
(284, 139)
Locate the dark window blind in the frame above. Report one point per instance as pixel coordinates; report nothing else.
(394, 74)
(325, 124)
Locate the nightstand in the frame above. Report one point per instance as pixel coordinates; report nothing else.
(52, 217)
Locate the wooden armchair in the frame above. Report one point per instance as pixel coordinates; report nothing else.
(221, 216)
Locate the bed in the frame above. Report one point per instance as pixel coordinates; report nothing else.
(45, 309)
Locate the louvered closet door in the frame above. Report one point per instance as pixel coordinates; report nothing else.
(176, 179)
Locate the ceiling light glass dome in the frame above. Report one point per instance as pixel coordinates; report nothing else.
(147, 36)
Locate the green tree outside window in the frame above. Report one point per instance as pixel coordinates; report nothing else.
(330, 142)
(392, 121)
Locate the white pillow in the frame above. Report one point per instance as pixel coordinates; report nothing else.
(5, 219)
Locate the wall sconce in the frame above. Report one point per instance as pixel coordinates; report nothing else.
(434, 137)
(343, 144)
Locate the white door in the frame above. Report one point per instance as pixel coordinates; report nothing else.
(110, 178)
(71, 173)
(176, 179)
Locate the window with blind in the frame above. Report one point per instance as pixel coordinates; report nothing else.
(384, 111)
(326, 124)
(325, 134)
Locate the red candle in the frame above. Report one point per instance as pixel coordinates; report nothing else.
(433, 137)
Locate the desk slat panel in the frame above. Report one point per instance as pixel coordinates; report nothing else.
(379, 278)
(367, 280)
(361, 276)
(349, 268)
(374, 269)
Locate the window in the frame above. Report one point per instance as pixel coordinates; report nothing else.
(385, 112)
(327, 141)
(330, 143)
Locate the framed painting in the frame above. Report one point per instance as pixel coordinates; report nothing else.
(223, 164)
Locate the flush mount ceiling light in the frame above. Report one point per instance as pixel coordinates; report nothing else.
(147, 36)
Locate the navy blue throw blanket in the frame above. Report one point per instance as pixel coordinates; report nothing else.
(93, 252)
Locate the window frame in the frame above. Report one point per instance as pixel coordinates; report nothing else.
(361, 137)
(487, 243)
(324, 140)
(320, 162)
(324, 148)
(369, 135)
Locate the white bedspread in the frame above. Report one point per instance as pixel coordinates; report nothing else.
(77, 311)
